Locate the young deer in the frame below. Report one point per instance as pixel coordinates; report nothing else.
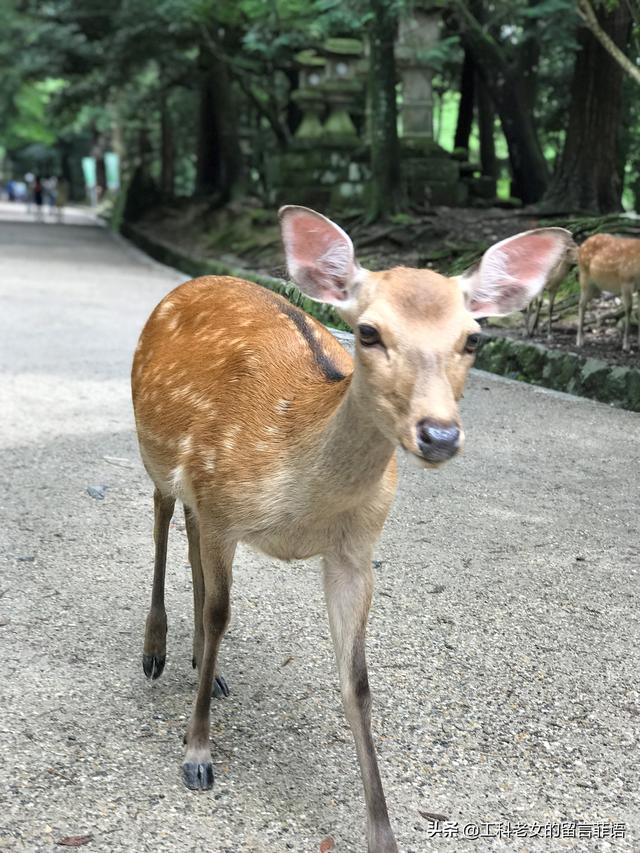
(610, 263)
(556, 277)
(251, 414)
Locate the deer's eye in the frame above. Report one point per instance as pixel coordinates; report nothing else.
(369, 335)
(471, 344)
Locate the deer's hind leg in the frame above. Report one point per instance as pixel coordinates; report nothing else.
(220, 688)
(552, 299)
(627, 301)
(155, 635)
(532, 325)
(587, 291)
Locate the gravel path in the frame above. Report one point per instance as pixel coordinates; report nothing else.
(503, 645)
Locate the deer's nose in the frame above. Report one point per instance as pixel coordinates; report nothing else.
(437, 441)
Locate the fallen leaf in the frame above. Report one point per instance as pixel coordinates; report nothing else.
(74, 840)
(327, 844)
(434, 817)
(97, 492)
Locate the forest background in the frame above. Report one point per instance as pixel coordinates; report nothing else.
(428, 129)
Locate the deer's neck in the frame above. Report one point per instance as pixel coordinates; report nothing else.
(352, 451)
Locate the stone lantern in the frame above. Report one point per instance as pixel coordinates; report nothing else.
(343, 90)
(310, 96)
(431, 175)
(418, 33)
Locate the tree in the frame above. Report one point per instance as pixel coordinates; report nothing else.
(219, 157)
(588, 15)
(386, 183)
(508, 81)
(467, 101)
(590, 173)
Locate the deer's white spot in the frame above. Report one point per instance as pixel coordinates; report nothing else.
(209, 462)
(166, 308)
(184, 445)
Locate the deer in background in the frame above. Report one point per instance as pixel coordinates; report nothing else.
(609, 263)
(250, 413)
(556, 277)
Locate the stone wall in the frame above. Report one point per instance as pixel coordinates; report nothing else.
(562, 371)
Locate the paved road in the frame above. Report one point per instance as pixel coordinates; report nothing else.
(504, 640)
(19, 211)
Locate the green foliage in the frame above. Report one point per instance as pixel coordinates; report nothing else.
(88, 74)
(29, 120)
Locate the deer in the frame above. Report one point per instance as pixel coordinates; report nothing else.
(606, 262)
(250, 413)
(556, 277)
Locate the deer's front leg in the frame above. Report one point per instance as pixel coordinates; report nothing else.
(348, 585)
(217, 557)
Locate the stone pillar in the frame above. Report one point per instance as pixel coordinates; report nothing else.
(418, 32)
(431, 176)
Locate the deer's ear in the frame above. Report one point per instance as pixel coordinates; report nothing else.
(320, 256)
(513, 271)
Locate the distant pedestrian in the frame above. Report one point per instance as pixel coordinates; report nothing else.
(29, 178)
(49, 186)
(38, 196)
(62, 196)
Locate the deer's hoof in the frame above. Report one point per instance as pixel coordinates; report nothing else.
(153, 665)
(198, 776)
(220, 688)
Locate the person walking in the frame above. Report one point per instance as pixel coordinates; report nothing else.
(29, 178)
(50, 185)
(38, 193)
(62, 196)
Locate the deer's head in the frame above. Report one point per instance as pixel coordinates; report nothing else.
(416, 331)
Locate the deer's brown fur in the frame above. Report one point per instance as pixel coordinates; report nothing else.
(251, 413)
(606, 262)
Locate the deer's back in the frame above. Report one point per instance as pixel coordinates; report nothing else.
(610, 261)
(227, 380)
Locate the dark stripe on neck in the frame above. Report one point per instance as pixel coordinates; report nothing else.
(324, 362)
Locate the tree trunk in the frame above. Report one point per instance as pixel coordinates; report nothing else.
(467, 99)
(209, 156)
(167, 149)
(386, 186)
(589, 176)
(510, 94)
(294, 113)
(486, 122)
(219, 158)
